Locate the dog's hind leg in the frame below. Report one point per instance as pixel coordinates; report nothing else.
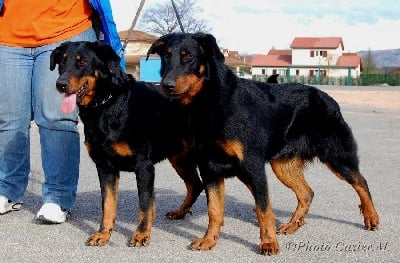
(109, 193)
(358, 182)
(341, 158)
(185, 165)
(290, 173)
(194, 186)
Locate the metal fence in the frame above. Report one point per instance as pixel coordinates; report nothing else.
(363, 80)
(372, 79)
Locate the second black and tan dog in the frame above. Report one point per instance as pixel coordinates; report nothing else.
(241, 124)
(128, 126)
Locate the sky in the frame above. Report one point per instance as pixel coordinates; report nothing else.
(256, 26)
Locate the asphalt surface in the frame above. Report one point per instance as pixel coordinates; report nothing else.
(333, 233)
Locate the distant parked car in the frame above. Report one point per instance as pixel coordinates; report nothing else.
(244, 75)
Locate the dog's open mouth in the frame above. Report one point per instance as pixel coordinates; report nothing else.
(70, 100)
(176, 93)
(173, 94)
(82, 92)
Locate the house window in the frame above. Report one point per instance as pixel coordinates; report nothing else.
(263, 71)
(297, 72)
(324, 73)
(273, 71)
(318, 53)
(311, 73)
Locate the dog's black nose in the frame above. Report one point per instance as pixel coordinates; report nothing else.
(168, 85)
(61, 85)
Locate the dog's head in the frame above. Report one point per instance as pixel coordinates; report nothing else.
(187, 60)
(86, 69)
(273, 78)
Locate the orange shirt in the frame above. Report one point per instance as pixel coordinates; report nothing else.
(36, 23)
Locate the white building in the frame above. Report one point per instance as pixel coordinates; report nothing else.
(309, 56)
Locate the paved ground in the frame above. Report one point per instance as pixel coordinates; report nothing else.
(333, 233)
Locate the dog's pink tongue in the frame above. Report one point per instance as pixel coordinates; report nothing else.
(68, 103)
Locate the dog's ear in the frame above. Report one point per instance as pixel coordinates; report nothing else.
(56, 54)
(110, 59)
(106, 54)
(157, 46)
(209, 45)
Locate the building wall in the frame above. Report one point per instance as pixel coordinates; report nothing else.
(268, 71)
(137, 48)
(302, 56)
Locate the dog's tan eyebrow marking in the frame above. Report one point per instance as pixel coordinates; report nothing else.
(169, 50)
(183, 52)
(78, 57)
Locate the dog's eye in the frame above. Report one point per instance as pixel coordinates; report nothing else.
(82, 62)
(167, 55)
(62, 61)
(187, 57)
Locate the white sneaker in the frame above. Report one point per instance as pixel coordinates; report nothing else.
(8, 206)
(51, 213)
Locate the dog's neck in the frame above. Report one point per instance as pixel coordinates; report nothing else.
(100, 103)
(106, 92)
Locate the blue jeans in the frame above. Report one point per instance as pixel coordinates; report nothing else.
(28, 92)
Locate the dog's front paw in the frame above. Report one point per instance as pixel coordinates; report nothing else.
(140, 239)
(98, 239)
(178, 214)
(290, 227)
(269, 248)
(203, 244)
(371, 218)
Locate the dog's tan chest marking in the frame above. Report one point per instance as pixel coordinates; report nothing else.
(122, 149)
(232, 148)
(88, 146)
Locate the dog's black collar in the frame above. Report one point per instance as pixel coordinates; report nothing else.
(101, 103)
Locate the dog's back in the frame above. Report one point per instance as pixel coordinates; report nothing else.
(310, 122)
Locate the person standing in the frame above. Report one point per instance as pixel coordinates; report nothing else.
(29, 32)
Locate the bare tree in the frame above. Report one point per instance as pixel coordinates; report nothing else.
(369, 66)
(160, 18)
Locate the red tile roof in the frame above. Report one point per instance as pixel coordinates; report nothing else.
(234, 62)
(233, 54)
(349, 60)
(280, 52)
(317, 42)
(137, 35)
(271, 60)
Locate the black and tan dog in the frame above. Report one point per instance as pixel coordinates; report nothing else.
(242, 124)
(128, 126)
